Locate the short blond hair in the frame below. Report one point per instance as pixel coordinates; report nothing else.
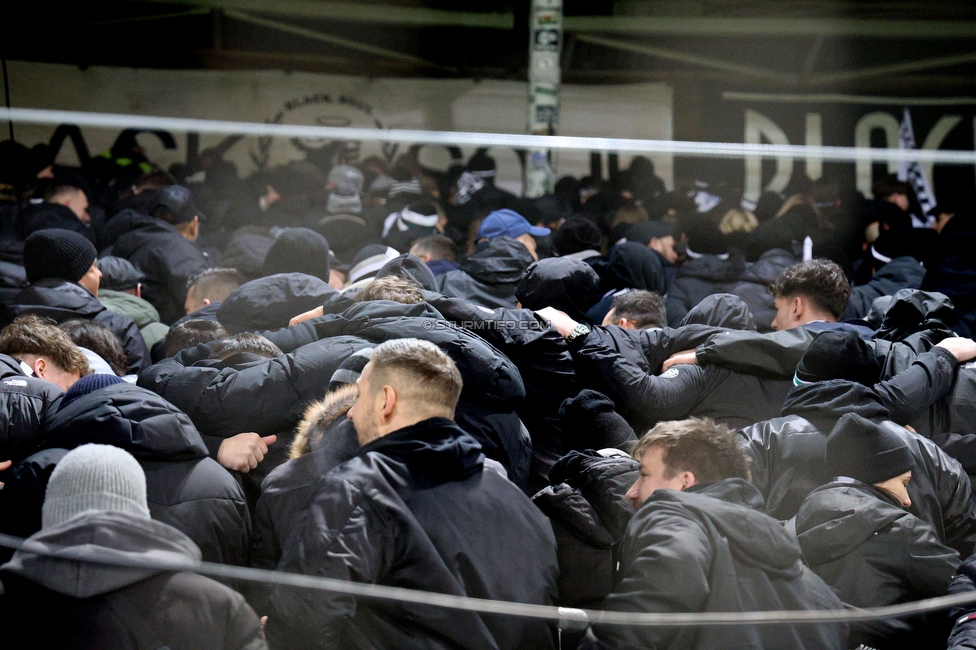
(738, 220)
(708, 450)
(418, 370)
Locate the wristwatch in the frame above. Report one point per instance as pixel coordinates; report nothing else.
(577, 332)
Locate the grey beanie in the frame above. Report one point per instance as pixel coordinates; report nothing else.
(94, 477)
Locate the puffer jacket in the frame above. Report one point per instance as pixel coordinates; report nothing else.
(185, 488)
(900, 273)
(787, 460)
(101, 606)
(488, 277)
(142, 313)
(270, 302)
(873, 553)
(723, 310)
(697, 551)
(493, 387)
(416, 509)
(24, 401)
(168, 259)
(62, 301)
(751, 285)
(589, 511)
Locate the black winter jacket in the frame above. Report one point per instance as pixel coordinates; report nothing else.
(488, 277)
(723, 310)
(415, 509)
(963, 619)
(698, 278)
(24, 401)
(101, 606)
(270, 302)
(710, 549)
(54, 215)
(168, 259)
(589, 511)
(492, 384)
(64, 301)
(788, 452)
(644, 398)
(751, 285)
(186, 489)
(873, 553)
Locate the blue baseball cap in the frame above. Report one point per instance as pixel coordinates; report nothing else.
(508, 223)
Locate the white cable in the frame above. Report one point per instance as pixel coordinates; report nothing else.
(700, 149)
(570, 616)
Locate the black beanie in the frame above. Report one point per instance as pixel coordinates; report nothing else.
(298, 250)
(89, 384)
(57, 253)
(645, 231)
(588, 421)
(862, 450)
(838, 355)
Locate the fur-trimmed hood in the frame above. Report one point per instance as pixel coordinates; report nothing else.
(320, 418)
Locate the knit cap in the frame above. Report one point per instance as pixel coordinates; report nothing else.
(369, 260)
(57, 253)
(88, 384)
(865, 451)
(575, 235)
(589, 421)
(838, 355)
(298, 250)
(645, 231)
(94, 477)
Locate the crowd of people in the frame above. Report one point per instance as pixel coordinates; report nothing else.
(612, 397)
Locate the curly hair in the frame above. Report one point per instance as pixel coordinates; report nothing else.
(32, 334)
(822, 281)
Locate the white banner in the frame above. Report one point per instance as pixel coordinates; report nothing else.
(621, 111)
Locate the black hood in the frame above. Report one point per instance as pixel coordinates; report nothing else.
(838, 517)
(269, 303)
(10, 367)
(101, 535)
(569, 285)
(412, 268)
(500, 261)
(769, 266)
(435, 448)
(721, 310)
(755, 538)
(631, 265)
(53, 215)
(912, 310)
(371, 309)
(131, 230)
(61, 295)
(126, 416)
(823, 402)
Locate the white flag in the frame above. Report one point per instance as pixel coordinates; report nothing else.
(911, 171)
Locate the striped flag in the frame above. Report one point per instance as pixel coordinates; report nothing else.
(911, 171)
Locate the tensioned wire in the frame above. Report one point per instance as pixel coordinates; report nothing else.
(569, 617)
(681, 148)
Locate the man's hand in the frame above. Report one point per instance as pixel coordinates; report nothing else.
(5, 465)
(961, 348)
(560, 320)
(311, 313)
(243, 452)
(685, 357)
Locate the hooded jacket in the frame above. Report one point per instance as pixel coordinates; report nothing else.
(787, 460)
(589, 511)
(698, 278)
(185, 488)
(493, 387)
(24, 401)
(873, 553)
(415, 509)
(54, 215)
(962, 619)
(751, 285)
(711, 549)
(632, 265)
(270, 302)
(724, 310)
(645, 398)
(488, 277)
(168, 259)
(141, 311)
(568, 285)
(179, 610)
(62, 301)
